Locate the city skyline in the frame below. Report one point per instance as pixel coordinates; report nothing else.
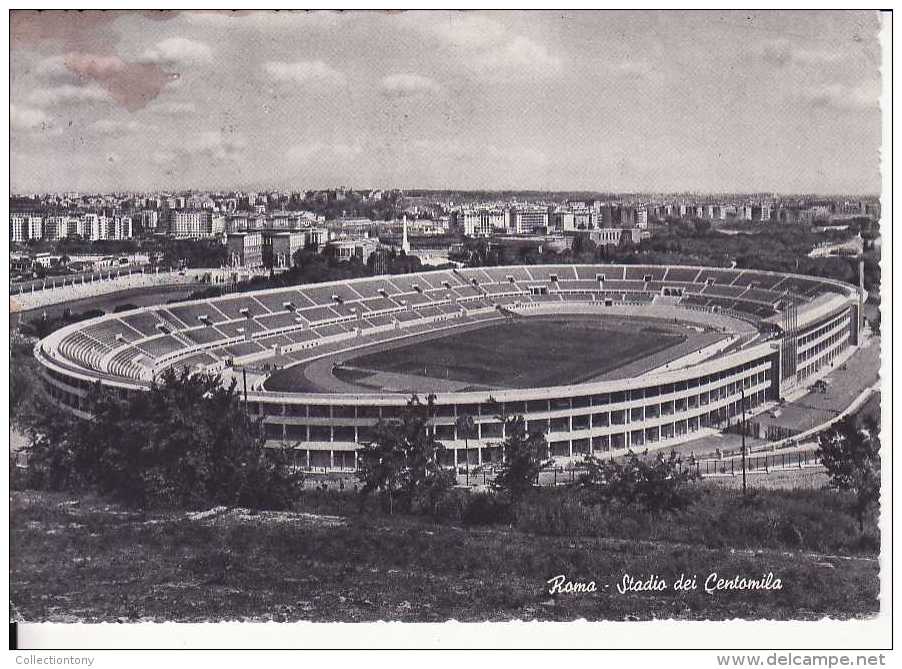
(601, 101)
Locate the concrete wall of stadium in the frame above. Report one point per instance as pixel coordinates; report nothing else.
(648, 412)
(655, 411)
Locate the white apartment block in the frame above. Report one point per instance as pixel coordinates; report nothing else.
(119, 227)
(150, 219)
(56, 227)
(17, 228)
(218, 224)
(563, 220)
(190, 223)
(23, 227)
(479, 223)
(525, 220)
(584, 219)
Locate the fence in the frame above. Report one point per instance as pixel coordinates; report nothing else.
(757, 463)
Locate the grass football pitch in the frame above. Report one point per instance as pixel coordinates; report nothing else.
(525, 353)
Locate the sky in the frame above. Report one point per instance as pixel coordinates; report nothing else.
(604, 101)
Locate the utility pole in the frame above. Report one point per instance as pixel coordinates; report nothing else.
(466, 425)
(244, 375)
(743, 437)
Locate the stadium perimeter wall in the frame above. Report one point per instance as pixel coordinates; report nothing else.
(652, 411)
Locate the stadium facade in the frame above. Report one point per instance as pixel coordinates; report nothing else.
(782, 331)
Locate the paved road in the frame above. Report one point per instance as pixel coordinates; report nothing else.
(71, 279)
(861, 371)
(144, 296)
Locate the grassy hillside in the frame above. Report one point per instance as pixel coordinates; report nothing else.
(82, 559)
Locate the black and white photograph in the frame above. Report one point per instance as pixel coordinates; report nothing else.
(450, 316)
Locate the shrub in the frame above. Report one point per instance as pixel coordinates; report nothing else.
(850, 451)
(186, 443)
(401, 462)
(656, 484)
(522, 458)
(487, 509)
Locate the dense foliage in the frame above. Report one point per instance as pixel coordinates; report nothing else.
(763, 246)
(24, 382)
(401, 462)
(312, 267)
(41, 326)
(850, 451)
(523, 457)
(656, 483)
(186, 443)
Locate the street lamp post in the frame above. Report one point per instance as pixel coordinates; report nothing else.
(743, 438)
(466, 425)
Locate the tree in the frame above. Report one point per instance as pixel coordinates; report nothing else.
(24, 378)
(875, 324)
(657, 484)
(401, 461)
(52, 446)
(522, 458)
(466, 429)
(187, 442)
(850, 453)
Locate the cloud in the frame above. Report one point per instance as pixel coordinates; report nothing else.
(409, 84)
(322, 150)
(783, 53)
(520, 156)
(174, 108)
(178, 50)
(303, 72)
(92, 77)
(863, 97)
(131, 84)
(270, 21)
(27, 118)
(74, 31)
(67, 94)
(162, 157)
(111, 127)
(53, 69)
(460, 151)
(217, 145)
(486, 47)
(630, 68)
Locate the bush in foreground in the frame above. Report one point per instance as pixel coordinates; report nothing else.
(186, 443)
(487, 509)
(401, 462)
(656, 483)
(850, 451)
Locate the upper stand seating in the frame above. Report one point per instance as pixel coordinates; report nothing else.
(720, 276)
(145, 323)
(681, 274)
(640, 272)
(715, 290)
(204, 335)
(759, 279)
(130, 344)
(578, 284)
(112, 333)
(192, 314)
(760, 295)
(241, 307)
(635, 286)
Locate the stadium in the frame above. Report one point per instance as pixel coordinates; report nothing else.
(601, 358)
